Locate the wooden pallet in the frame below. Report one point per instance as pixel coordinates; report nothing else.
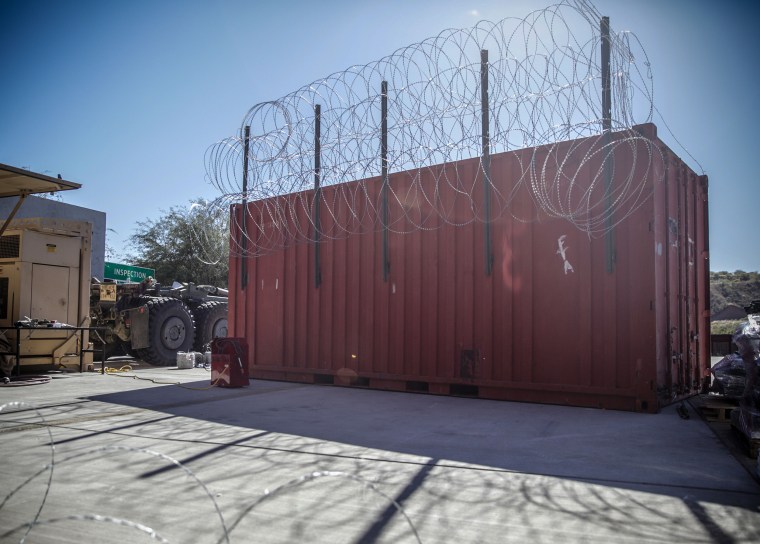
(717, 411)
(751, 440)
(752, 444)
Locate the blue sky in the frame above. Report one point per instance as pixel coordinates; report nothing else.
(126, 96)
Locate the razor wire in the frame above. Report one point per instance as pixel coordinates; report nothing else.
(544, 93)
(25, 527)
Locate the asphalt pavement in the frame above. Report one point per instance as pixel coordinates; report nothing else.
(134, 457)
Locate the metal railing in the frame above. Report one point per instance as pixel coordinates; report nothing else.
(76, 330)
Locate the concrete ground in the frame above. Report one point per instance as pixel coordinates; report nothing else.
(93, 458)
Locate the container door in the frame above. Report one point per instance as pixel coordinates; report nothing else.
(683, 281)
(678, 282)
(50, 292)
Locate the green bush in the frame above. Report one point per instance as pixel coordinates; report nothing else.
(725, 327)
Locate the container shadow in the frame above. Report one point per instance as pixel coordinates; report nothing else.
(658, 453)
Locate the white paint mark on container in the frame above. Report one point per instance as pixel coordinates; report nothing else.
(691, 252)
(562, 252)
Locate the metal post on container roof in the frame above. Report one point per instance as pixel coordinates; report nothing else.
(244, 212)
(384, 175)
(606, 76)
(317, 191)
(485, 159)
(609, 235)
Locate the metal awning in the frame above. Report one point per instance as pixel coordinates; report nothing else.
(17, 182)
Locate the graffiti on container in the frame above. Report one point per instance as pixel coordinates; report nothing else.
(562, 252)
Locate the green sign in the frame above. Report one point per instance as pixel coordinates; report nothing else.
(125, 272)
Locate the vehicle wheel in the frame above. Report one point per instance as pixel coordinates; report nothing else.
(170, 329)
(210, 323)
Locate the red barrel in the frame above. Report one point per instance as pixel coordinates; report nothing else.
(229, 362)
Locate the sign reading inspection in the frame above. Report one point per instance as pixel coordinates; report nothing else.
(125, 272)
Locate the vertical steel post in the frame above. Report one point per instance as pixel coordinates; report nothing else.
(103, 353)
(18, 349)
(485, 159)
(384, 175)
(244, 214)
(317, 191)
(80, 330)
(606, 76)
(609, 235)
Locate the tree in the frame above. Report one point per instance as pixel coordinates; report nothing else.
(739, 288)
(185, 244)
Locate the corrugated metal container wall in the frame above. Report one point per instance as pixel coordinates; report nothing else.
(615, 322)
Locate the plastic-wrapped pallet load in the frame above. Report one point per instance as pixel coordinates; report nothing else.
(736, 374)
(747, 418)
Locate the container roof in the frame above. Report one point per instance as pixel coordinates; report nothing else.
(17, 182)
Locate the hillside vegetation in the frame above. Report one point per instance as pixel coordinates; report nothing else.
(738, 288)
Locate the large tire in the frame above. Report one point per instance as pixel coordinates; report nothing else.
(210, 323)
(170, 329)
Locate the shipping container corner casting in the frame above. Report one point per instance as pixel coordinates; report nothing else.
(619, 320)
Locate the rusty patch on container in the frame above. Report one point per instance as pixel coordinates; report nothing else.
(468, 361)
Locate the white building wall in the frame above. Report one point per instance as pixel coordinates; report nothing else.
(34, 206)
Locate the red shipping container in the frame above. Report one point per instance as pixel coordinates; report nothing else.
(616, 321)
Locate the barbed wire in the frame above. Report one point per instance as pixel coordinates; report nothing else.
(544, 89)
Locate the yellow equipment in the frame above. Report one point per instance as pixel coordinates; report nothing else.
(44, 290)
